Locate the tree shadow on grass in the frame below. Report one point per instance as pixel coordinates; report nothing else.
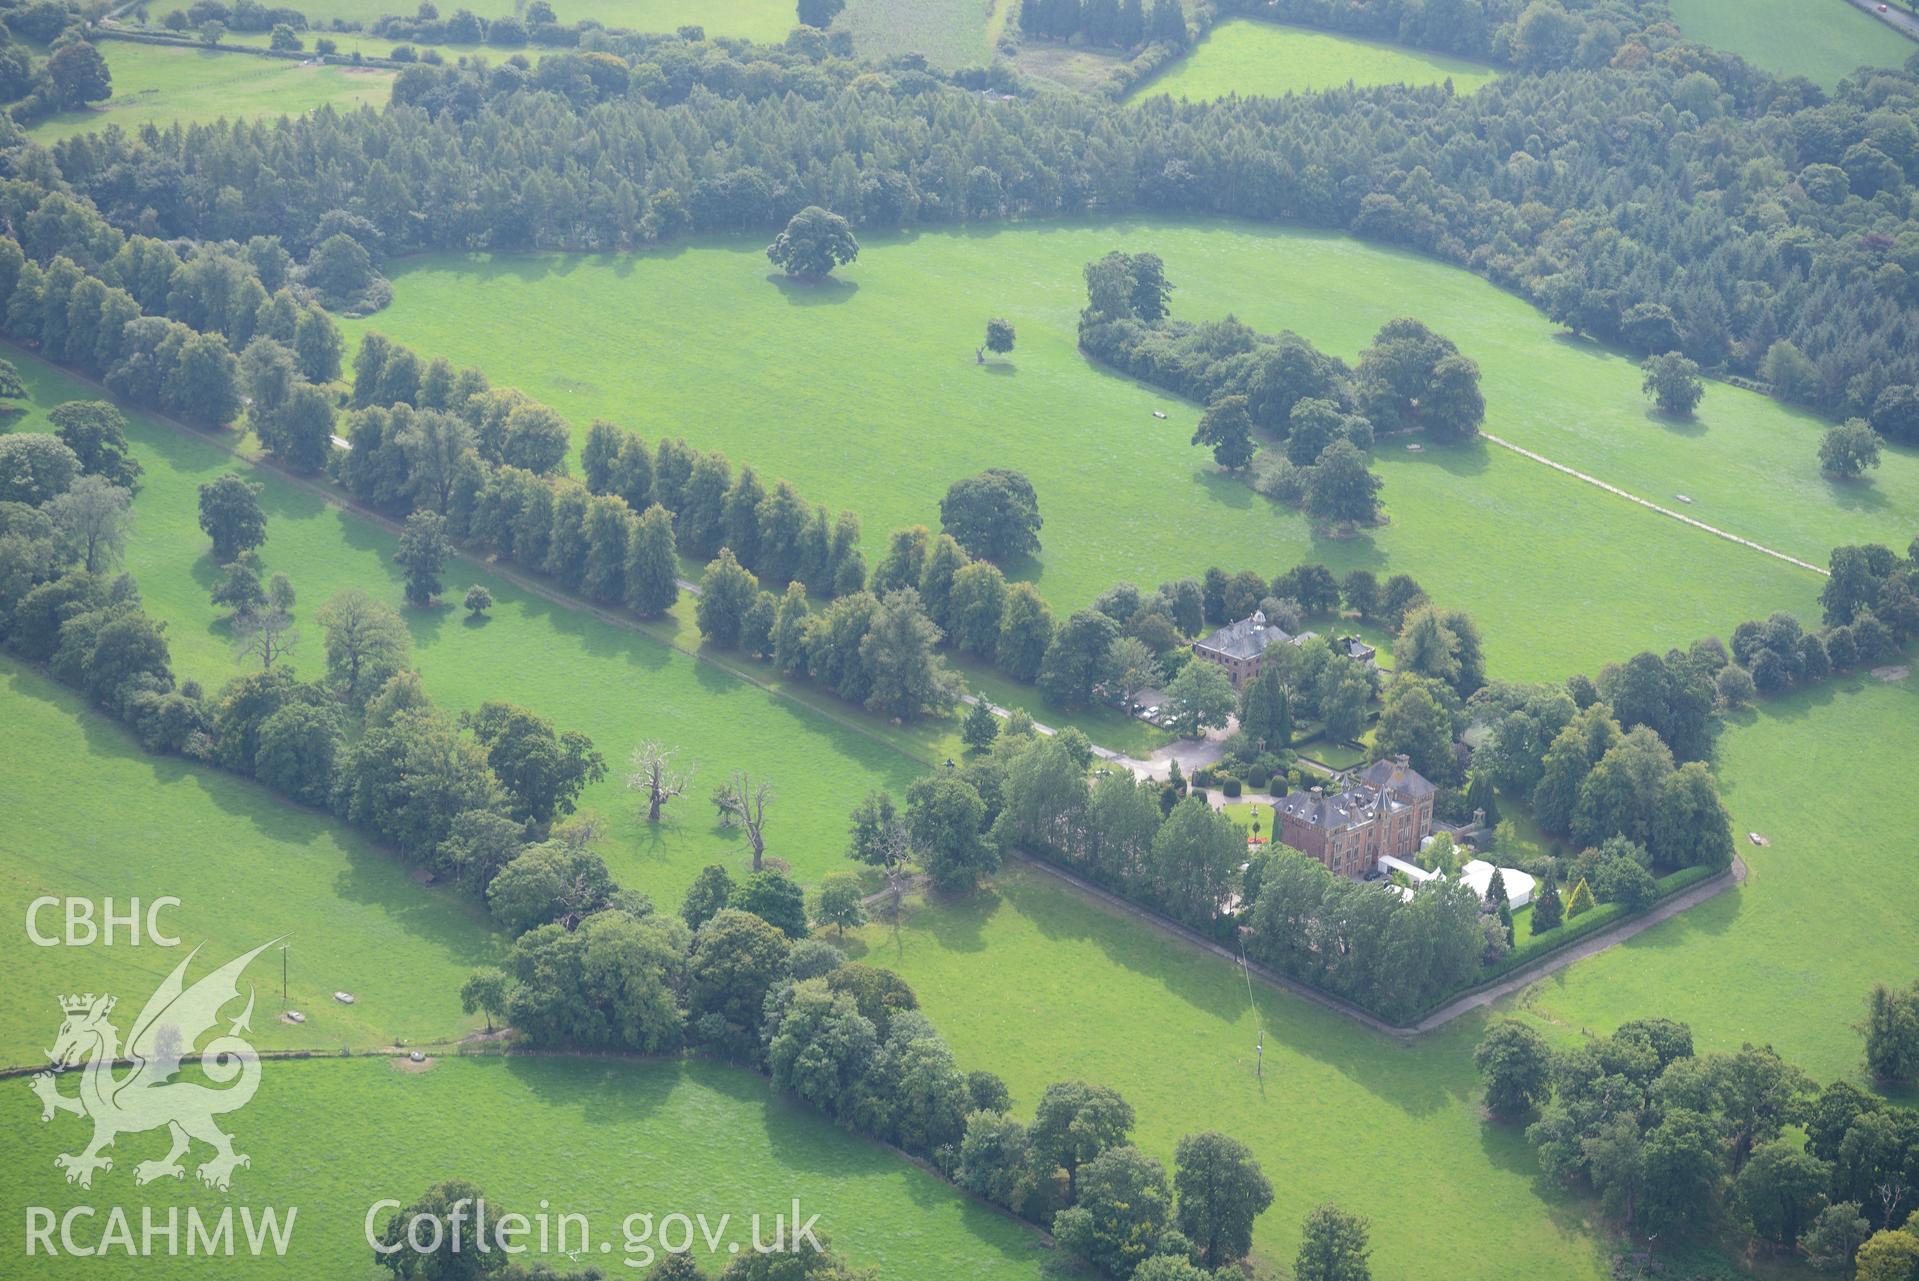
(956, 922)
(813, 293)
(1855, 494)
(196, 453)
(605, 1091)
(1212, 984)
(1686, 425)
(1465, 460)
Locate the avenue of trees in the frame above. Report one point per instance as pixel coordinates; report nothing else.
(429, 438)
(1670, 1140)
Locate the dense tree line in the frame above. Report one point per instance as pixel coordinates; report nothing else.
(1669, 1140)
(1675, 198)
(161, 326)
(1362, 940)
(1514, 33)
(1119, 24)
(72, 75)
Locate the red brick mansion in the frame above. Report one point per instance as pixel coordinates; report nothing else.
(1385, 809)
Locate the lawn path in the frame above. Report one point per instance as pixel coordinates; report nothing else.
(1663, 511)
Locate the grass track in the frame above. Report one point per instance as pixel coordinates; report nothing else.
(153, 84)
(865, 394)
(85, 813)
(1822, 40)
(603, 1138)
(1267, 59)
(615, 684)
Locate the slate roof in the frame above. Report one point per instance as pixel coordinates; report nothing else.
(1392, 785)
(1248, 638)
(1353, 807)
(1397, 776)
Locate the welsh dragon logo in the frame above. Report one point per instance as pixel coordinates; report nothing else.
(128, 1091)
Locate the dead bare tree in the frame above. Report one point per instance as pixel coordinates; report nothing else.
(653, 774)
(743, 801)
(265, 634)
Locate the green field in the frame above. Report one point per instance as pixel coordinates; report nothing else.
(617, 685)
(865, 394)
(1082, 993)
(1822, 40)
(84, 813)
(157, 85)
(950, 33)
(1266, 59)
(601, 1138)
(1342, 1114)
(766, 20)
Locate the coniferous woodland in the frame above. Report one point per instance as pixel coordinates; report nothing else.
(1658, 195)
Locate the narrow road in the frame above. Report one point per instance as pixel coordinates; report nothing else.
(1590, 946)
(1103, 753)
(1663, 511)
(1896, 18)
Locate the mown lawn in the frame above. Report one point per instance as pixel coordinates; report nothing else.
(596, 1137)
(1822, 40)
(865, 394)
(154, 84)
(1266, 59)
(616, 684)
(84, 813)
(1083, 993)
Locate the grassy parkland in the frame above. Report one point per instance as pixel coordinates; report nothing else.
(767, 20)
(1824, 41)
(84, 813)
(1266, 59)
(162, 85)
(583, 671)
(870, 361)
(602, 1138)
